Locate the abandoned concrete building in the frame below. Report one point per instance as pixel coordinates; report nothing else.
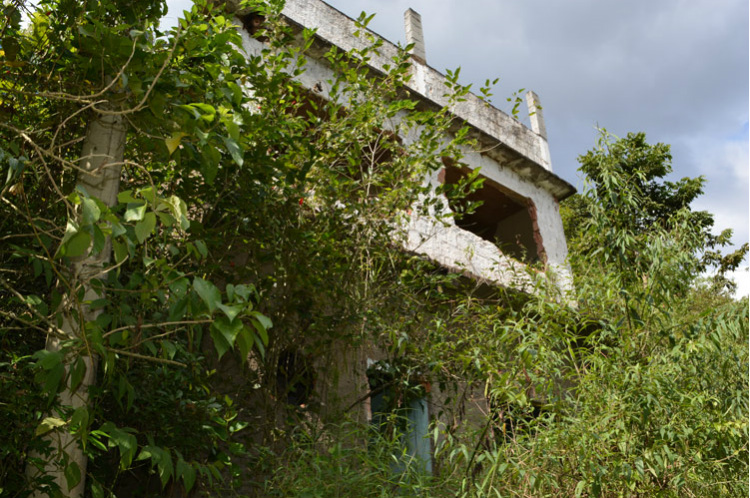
(518, 221)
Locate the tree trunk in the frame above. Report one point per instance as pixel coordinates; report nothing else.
(101, 159)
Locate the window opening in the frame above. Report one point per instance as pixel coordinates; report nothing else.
(503, 217)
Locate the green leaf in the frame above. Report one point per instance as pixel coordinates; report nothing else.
(166, 469)
(10, 47)
(49, 424)
(262, 324)
(117, 227)
(78, 245)
(208, 293)
(37, 266)
(231, 310)
(80, 417)
(48, 359)
(243, 291)
(210, 159)
(227, 334)
(77, 373)
(220, 342)
(174, 141)
(185, 471)
(37, 303)
(144, 228)
(259, 343)
(72, 475)
(166, 219)
(127, 444)
(99, 240)
(179, 210)
(245, 341)
(178, 309)
(202, 248)
(149, 194)
(169, 349)
(90, 211)
(263, 319)
(234, 150)
(52, 378)
(135, 211)
(232, 127)
(121, 251)
(96, 490)
(126, 197)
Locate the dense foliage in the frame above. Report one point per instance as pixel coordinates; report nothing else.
(640, 389)
(244, 200)
(239, 191)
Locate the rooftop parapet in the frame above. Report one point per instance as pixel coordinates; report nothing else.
(506, 140)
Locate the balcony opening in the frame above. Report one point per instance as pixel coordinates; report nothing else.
(503, 217)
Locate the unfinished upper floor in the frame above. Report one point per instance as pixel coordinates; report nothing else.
(517, 222)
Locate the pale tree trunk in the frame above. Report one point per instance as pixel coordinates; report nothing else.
(101, 159)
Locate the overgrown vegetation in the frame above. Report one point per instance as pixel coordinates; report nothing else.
(245, 200)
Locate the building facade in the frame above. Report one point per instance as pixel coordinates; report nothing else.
(516, 227)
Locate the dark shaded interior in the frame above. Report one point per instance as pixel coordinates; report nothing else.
(503, 217)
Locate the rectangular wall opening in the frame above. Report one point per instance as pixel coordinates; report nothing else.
(503, 217)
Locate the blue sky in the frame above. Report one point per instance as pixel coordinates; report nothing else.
(675, 69)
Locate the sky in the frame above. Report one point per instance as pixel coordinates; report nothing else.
(674, 69)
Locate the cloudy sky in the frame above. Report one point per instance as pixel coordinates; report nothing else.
(675, 69)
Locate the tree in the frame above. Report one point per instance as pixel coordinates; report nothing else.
(104, 67)
(646, 379)
(640, 389)
(137, 166)
(652, 203)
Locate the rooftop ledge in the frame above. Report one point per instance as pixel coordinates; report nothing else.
(505, 139)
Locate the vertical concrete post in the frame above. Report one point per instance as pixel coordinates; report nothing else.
(415, 35)
(535, 114)
(537, 124)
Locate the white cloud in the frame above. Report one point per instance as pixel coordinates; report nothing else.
(725, 162)
(742, 278)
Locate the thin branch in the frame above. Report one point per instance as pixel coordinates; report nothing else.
(83, 99)
(142, 103)
(147, 358)
(154, 325)
(4, 283)
(26, 324)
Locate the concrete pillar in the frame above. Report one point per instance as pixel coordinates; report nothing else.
(415, 35)
(535, 114)
(537, 125)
